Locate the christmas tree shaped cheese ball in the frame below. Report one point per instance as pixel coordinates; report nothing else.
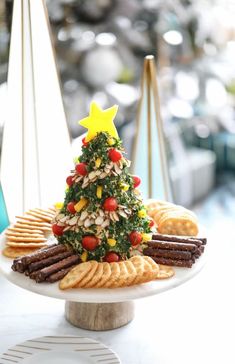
(103, 216)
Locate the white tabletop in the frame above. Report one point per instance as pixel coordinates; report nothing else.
(191, 324)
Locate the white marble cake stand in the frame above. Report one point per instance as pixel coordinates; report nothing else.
(99, 309)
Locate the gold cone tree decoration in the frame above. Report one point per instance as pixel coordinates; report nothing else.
(149, 159)
(36, 145)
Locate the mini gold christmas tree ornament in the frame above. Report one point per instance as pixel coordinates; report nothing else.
(36, 145)
(148, 155)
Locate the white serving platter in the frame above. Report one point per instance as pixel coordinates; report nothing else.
(100, 295)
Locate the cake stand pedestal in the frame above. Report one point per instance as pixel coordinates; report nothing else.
(99, 316)
(102, 308)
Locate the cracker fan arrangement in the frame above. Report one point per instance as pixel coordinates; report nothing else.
(106, 237)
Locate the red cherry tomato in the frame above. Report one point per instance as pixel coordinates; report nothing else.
(84, 142)
(111, 257)
(114, 155)
(110, 204)
(151, 223)
(136, 181)
(70, 207)
(69, 180)
(81, 169)
(135, 238)
(57, 230)
(90, 242)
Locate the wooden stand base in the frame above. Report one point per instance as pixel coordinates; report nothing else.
(99, 316)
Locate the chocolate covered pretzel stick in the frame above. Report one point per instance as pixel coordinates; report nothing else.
(19, 259)
(54, 268)
(53, 277)
(174, 250)
(172, 254)
(32, 275)
(171, 245)
(174, 262)
(58, 275)
(21, 264)
(180, 239)
(49, 261)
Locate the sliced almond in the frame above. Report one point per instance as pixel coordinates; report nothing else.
(105, 224)
(99, 220)
(86, 179)
(122, 213)
(103, 175)
(73, 221)
(85, 182)
(111, 216)
(64, 219)
(84, 186)
(120, 163)
(59, 216)
(117, 169)
(92, 175)
(87, 223)
(78, 179)
(60, 223)
(115, 215)
(80, 222)
(84, 215)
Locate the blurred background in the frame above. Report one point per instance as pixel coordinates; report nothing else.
(100, 47)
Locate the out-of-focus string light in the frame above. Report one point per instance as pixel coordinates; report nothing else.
(173, 37)
(105, 39)
(202, 131)
(187, 86)
(180, 108)
(215, 93)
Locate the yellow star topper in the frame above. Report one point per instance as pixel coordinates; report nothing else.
(100, 120)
